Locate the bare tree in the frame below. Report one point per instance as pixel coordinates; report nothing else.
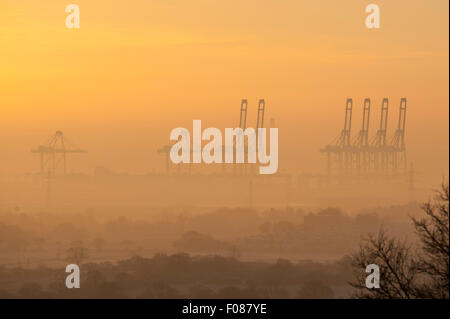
(406, 272)
(396, 264)
(433, 231)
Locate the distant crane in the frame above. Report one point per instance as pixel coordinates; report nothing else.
(340, 149)
(398, 140)
(379, 139)
(260, 118)
(54, 152)
(363, 137)
(362, 140)
(368, 157)
(243, 115)
(380, 154)
(165, 149)
(243, 126)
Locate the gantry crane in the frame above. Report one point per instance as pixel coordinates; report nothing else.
(374, 156)
(54, 152)
(379, 149)
(398, 140)
(361, 145)
(340, 149)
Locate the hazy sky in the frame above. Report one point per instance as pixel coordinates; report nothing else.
(138, 68)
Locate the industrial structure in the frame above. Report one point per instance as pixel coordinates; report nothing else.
(165, 149)
(243, 115)
(260, 118)
(53, 154)
(365, 157)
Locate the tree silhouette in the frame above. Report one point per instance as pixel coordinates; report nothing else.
(433, 231)
(407, 271)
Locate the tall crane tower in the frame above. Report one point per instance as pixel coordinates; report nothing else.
(53, 154)
(369, 157)
(340, 149)
(379, 152)
(260, 118)
(243, 126)
(243, 115)
(362, 141)
(398, 140)
(380, 137)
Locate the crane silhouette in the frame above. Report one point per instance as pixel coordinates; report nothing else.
(54, 152)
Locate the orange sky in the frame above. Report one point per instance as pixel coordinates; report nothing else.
(138, 68)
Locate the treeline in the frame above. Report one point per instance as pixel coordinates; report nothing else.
(183, 276)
